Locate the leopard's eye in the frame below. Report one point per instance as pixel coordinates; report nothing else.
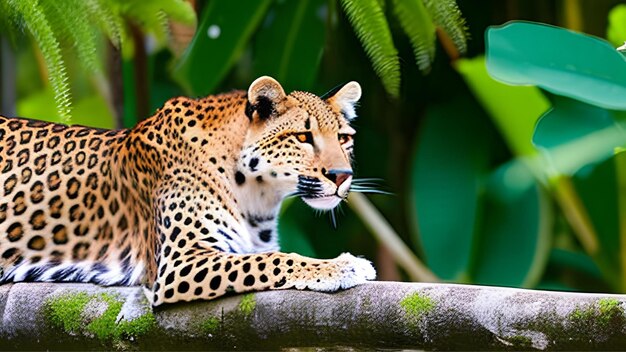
(305, 137)
(344, 138)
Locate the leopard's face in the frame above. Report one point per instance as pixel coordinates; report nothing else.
(300, 144)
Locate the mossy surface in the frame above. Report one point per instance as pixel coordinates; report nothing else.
(416, 305)
(520, 341)
(601, 313)
(66, 312)
(211, 325)
(247, 304)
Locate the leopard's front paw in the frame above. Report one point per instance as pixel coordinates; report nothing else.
(354, 271)
(343, 272)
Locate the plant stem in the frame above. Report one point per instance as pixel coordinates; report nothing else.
(620, 171)
(576, 214)
(572, 15)
(385, 234)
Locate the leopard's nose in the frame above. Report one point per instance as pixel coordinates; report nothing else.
(337, 176)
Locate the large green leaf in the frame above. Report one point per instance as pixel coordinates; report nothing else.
(292, 238)
(514, 110)
(575, 134)
(450, 161)
(224, 30)
(558, 60)
(513, 243)
(290, 43)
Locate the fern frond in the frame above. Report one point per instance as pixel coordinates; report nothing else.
(152, 17)
(177, 10)
(447, 16)
(372, 29)
(418, 26)
(103, 15)
(69, 22)
(37, 24)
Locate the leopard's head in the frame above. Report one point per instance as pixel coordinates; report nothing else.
(300, 143)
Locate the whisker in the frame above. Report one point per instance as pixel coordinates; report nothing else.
(369, 190)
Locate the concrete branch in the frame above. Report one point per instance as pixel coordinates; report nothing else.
(374, 315)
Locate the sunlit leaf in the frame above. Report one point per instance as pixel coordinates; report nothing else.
(91, 111)
(616, 33)
(514, 109)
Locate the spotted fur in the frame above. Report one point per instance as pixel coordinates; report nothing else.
(185, 202)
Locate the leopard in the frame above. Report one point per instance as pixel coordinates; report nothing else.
(185, 203)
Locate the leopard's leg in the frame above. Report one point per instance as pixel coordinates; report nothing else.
(201, 255)
(212, 274)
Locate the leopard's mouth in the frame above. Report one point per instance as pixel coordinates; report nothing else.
(324, 202)
(311, 190)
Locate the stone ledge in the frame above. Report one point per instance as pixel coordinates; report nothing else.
(375, 315)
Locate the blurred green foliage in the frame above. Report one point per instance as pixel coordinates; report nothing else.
(492, 183)
(73, 26)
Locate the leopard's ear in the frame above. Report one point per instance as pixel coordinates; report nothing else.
(345, 98)
(264, 95)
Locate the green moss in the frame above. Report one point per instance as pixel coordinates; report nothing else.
(247, 304)
(210, 325)
(66, 312)
(601, 312)
(417, 305)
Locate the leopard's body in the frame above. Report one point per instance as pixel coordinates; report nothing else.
(185, 202)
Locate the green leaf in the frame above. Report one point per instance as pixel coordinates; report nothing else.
(419, 27)
(514, 110)
(371, 27)
(616, 33)
(574, 134)
(620, 174)
(292, 238)
(513, 242)
(558, 60)
(289, 45)
(449, 164)
(224, 30)
(91, 111)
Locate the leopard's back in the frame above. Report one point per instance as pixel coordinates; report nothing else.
(62, 207)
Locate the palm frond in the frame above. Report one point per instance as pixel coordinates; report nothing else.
(34, 19)
(418, 26)
(371, 27)
(447, 16)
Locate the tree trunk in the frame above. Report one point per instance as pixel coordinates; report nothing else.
(375, 315)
